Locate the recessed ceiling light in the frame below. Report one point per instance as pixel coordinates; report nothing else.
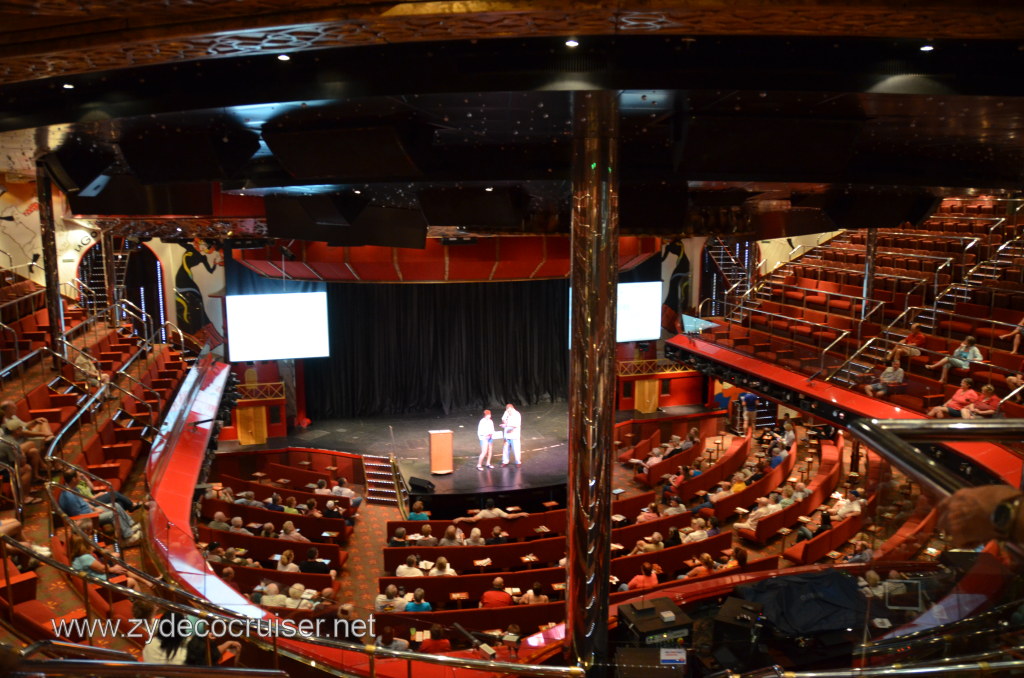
(357, 192)
(927, 48)
(68, 85)
(572, 42)
(489, 189)
(283, 57)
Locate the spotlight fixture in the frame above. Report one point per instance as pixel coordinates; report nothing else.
(927, 48)
(572, 42)
(68, 85)
(489, 189)
(283, 57)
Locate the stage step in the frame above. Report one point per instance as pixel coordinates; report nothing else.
(380, 480)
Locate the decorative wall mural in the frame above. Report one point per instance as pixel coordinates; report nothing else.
(200, 273)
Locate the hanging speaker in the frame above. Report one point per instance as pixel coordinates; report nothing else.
(168, 154)
(80, 169)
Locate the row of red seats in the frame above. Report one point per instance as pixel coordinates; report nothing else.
(775, 478)
(924, 242)
(319, 530)
(909, 266)
(729, 463)
(812, 327)
(263, 549)
(264, 491)
(899, 286)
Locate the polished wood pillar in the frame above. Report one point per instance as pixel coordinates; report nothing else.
(48, 233)
(593, 276)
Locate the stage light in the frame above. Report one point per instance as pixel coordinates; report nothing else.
(283, 57)
(927, 48)
(489, 189)
(572, 42)
(68, 85)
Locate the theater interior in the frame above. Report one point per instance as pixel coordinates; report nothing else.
(745, 279)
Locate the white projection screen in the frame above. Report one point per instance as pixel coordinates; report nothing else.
(638, 313)
(277, 326)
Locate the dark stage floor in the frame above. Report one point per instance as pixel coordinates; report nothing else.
(544, 445)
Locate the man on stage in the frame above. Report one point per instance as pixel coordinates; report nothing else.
(511, 421)
(485, 432)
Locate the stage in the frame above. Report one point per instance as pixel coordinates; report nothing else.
(544, 445)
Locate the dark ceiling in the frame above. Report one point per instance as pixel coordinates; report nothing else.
(706, 124)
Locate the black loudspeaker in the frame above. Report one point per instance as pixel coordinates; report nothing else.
(501, 208)
(306, 217)
(881, 209)
(80, 169)
(391, 227)
(420, 485)
(124, 194)
(364, 153)
(170, 154)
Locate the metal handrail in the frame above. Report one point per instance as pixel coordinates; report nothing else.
(128, 312)
(76, 668)
(23, 298)
(17, 341)
(15, 476)
(1012, 395)
(886, 276)
(92, 500)
(971, 668)
(147, 323)
(132, 379)
(181, 335)
(83, 650)
(877, 303)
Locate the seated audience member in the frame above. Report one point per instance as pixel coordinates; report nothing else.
(274, 503)
(314, 565)
(706, 566)
(890, 376)
(31, 436)
(909, 346)
(534, 596)
(436, 643)
(321, 487)
(984, 407)
(418, 604)
(103, 494)
(169, 642)
(738, 483)
(961, 358)
(787, 437)
(846, 507)
(738, 559)
(964, 396)
(12, 455)
(398, 539)
(219, 522)
(238, 526)
(268, 531)
(646, 579)
(409, 568)
(417, 512)
(272, 596)
(291, 505)
(1013, 383)
(754, 516)
(476, 538)
(343, 490)
(674, 537)
(296, 598)
(759, 470)
(1015, 333)
(312, 509)
(74, 505)
(497, 596)
(286, 563)
(231, 556)
(83, 559)
(724, 490)
(800, 492)
(656, 455)
(862, 553)
(787, 497)
(227, 575)
(821, 521)
(331, 510)
(388, 641)
(451, 537)
(498, 536)
(339, 624)
(248, 498)
(441, 569)
(648, 514)
(291, 533)
(656, 541)
(642, 546)
(698, 531)
(427, 537)
(389, 601)
(214, 552)
(490, 511)
(674, 508)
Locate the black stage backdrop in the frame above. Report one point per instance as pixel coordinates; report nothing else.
(398, 349)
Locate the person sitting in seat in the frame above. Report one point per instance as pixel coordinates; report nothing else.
(389, 601)
(1015, 333)
(984, 407)
(274, 503)
(105, 495)
(674, 507)
(648, 514)
(698, 531)
(410, 568)
(724, 490)
(291, 506)
(238, 526)
(268, 531)
(417, 512)
(754, 516)
(738, 559)
(331, 510)
(909, 346)
(821, 521)
(497, 596)
(849, 506)
(83, 559)
(961, 358)
(74, 505)
(707, 566)
(272, 596)
(498, 536)
(343, 490)
(297, 599)
(476, 538)
(398, 539)
(436, 643)
(286, 563)
(321, 487)
(311, 509)
(418, 604)
(219, 522)
(535, 596)
(441, 569)
(427, 537)
(290, 533)
(646, 579)
(314, 564)
(388, 641)
(890, 376)
(31, 435)
(963, 397)
(248, 498)
(88, 370)
(451, 537)
(490, 511)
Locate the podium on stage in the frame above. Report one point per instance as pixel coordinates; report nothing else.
(441, 452)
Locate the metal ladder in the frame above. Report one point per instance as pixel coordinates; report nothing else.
(380, 480)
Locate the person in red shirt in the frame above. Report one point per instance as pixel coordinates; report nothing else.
(963, 397)
(985, 406)
(645, 579)
(497, 596)
(436, 642)
(909, 346)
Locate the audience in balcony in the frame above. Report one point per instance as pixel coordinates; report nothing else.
(890, 376)
(427, 537)
(963, 397)
(287, 562)
(343, 490)
(649, 513)
(476, 538)
(490, 511)
(417, 512)
(497, 596)
(645, 579)
(83, 559)
(331, 510)
(89, 371)
(32, 435)
(737, 560)
(498, 536)
(535, 596)
(73, 505)
(398, 538)
(820, 522)
(961, 358)
(389, 601)
(219, 522)
(451, 537)
(1015, 333)
(106, 495)
(268, 531)
(418, 604)
(706, 566)
(272, 596)
(238, 526)
(441, 569)
(388, 641)
(909, 346)
(290, 533)
(436, 643)
(410, 568)
(12, 455)
(984, 407)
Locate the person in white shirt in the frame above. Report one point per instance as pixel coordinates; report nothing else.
(511, 421)
(485, 432)
(409, 569)
(761, 511)
(699, 527)
(441, 569)
(389, 601)
(343, 490)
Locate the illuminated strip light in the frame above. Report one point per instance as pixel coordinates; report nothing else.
(160, 306)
